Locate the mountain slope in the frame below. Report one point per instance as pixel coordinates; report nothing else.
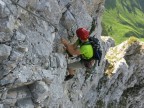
(123, 18)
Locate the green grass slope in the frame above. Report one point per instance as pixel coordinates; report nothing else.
(123, 19)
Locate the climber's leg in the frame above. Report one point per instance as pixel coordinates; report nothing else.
(72, 67)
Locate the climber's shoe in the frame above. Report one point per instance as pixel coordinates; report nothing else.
(68, 77)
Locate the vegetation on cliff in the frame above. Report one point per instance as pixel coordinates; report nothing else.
(123, 19)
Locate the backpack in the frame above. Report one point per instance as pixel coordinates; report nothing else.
(96, 48)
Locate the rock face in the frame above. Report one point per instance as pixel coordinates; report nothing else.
(33, 65)
(122, 87)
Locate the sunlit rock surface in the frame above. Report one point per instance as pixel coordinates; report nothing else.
(33, 64)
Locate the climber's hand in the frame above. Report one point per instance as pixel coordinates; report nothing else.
(64, 42)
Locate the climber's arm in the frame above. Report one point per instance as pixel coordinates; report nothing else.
(71, 48)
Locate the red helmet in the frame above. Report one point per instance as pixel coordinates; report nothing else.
(82, 33)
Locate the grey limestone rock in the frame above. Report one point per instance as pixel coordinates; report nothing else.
(4, 11)
(4, 52)
(33, 63)
(40, 91)
(25, 103)
(1, 106)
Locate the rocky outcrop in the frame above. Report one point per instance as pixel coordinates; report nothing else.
(123, 86)
(33, 64)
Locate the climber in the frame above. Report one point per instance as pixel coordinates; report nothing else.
(85, 52)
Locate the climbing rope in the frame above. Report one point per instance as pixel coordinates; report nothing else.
(17, 4)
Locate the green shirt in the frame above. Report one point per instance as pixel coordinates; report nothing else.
(85, 50)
